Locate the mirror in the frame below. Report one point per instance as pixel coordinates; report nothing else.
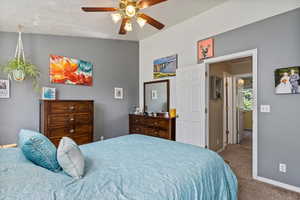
(156, 96)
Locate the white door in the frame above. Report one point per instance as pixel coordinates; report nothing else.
(190, 100)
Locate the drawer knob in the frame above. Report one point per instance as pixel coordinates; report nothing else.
(72, 131)
(72, 107)
(72, 119)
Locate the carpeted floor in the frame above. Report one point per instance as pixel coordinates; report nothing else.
(240, 158)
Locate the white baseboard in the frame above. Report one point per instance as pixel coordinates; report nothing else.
(278, 184)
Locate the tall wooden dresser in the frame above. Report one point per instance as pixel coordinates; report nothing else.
(72, 118)
(152, 126)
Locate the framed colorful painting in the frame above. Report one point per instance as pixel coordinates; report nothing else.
(165, 67)
(70, 71)
(205, 49)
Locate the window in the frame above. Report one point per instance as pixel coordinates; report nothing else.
(247, 99)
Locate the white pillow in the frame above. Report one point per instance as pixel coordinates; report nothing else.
(70, 157)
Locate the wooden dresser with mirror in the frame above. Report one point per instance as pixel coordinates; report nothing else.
(156, 103)
(71, 118)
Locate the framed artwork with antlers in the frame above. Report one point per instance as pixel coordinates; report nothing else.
(205, 49)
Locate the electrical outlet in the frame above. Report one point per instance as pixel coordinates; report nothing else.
(282, 167)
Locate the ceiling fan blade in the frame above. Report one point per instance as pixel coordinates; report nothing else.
(98, 9)
(122, 28)
(147, 3)
(152, 21)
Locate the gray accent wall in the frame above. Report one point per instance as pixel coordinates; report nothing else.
(278, 43)
(115, 65)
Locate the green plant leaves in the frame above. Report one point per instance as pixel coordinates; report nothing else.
(30, 70)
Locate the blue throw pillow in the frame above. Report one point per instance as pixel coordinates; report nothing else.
(38, 149)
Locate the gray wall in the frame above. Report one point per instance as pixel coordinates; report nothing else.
(115, 65)
(278, 43)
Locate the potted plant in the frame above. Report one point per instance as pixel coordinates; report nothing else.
(19, 69)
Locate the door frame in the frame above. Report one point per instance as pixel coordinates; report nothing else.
(228, 109)
(253, 54)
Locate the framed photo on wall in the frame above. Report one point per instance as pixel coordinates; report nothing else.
(4, 89)
(48, 93)
(165, 67)
(118, 93)
(287, 80)
(205, 49)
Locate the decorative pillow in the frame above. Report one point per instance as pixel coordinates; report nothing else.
(70, 157)
(38, 149)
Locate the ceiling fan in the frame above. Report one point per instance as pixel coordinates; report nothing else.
(129, 10)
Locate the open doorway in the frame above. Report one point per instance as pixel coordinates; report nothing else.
(232, 110)
(230, 103)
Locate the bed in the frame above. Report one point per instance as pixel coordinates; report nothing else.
(132, 167)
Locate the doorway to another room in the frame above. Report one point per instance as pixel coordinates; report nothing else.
(231, 111)
(230, 103)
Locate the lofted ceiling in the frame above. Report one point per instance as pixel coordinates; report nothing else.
(64, 17)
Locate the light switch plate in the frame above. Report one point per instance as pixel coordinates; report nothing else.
(265, 108)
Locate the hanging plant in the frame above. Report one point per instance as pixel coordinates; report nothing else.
(19, 69)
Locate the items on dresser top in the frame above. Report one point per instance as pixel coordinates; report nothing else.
(71, 118)
(152, 126)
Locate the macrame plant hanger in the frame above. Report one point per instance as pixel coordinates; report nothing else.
(18, 74)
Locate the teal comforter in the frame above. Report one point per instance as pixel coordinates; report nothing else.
(131, 167)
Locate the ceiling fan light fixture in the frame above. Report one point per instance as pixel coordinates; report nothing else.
(116, 17)
(130, 10)
(141, 22)
(128, 26)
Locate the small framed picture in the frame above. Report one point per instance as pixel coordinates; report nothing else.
(287, 80)
(205, 49)
(154, 94)
(118, 93)
(4, 89)
(48, 93)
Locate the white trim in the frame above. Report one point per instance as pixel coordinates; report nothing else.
(233, 134)
(278, 184)
(243, 75)
(243, 54)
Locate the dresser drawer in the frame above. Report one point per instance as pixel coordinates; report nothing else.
(82, 139)
(60, 120)
(79, 140)
(70, 131)
(83, 118)
(60, 132)
(151, 132)
(135, 120)
(163, 134)
(62, 107)
(136, 129)
(83, 107)
(83, 129)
